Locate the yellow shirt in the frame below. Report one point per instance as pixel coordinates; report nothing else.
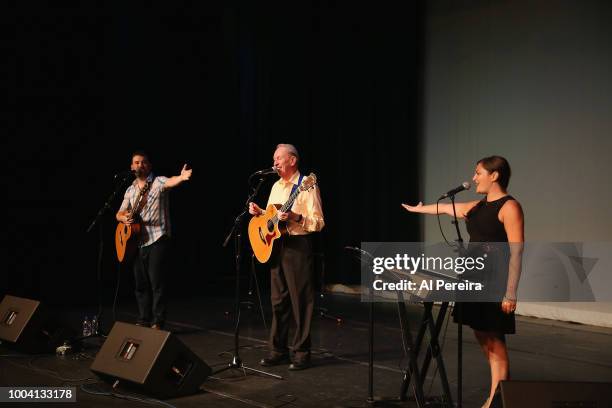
(307, 203)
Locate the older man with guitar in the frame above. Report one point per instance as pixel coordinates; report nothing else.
(145, 226)
(291, 261)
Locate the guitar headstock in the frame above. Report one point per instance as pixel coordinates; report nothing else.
(308, 182)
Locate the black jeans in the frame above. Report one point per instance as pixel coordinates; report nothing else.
(150, 269)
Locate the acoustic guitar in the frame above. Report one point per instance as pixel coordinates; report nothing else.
(264, 229)
(126, 236)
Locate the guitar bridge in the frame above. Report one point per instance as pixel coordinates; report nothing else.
(262, 237)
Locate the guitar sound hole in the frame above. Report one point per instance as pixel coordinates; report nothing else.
(270, 226)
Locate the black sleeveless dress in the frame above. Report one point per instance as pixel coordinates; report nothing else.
(483, 225)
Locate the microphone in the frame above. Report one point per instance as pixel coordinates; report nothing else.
(125, 174)
(265, 172)
(464, 186)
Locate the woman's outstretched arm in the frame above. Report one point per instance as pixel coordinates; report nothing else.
(444, 208)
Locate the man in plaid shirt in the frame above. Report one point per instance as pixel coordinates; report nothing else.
(150, 264)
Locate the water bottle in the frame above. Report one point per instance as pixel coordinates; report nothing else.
(94, 325)
(86, 327)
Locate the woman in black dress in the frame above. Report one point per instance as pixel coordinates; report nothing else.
(496, 218)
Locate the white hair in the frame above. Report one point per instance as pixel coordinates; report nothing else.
(290, 148)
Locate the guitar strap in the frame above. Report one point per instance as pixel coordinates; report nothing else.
(141, 198)
(295, 186)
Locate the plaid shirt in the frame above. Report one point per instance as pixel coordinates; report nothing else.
(154, 215)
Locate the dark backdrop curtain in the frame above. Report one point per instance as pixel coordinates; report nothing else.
(215, 85)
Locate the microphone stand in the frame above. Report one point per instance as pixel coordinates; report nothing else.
(236, 232)
(458, 312)
(359, 254)
(97, 221)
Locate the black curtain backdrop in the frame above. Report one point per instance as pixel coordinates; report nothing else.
(217, 86)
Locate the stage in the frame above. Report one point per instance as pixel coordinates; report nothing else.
(543, 350)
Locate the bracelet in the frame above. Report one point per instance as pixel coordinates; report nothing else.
(509, 299)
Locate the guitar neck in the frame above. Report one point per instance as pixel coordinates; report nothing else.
(136, 208)
(287, 204)
(290, 201)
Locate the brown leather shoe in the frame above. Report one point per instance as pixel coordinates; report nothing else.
(273, 360)
(300, 363)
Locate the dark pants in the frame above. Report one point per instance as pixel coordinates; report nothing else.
(150, 281)
(292, 294)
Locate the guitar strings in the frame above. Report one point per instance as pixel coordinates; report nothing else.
(290, 201)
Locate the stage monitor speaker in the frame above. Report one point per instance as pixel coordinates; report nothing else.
(556, 394)
(151, 361)
(23, 326)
